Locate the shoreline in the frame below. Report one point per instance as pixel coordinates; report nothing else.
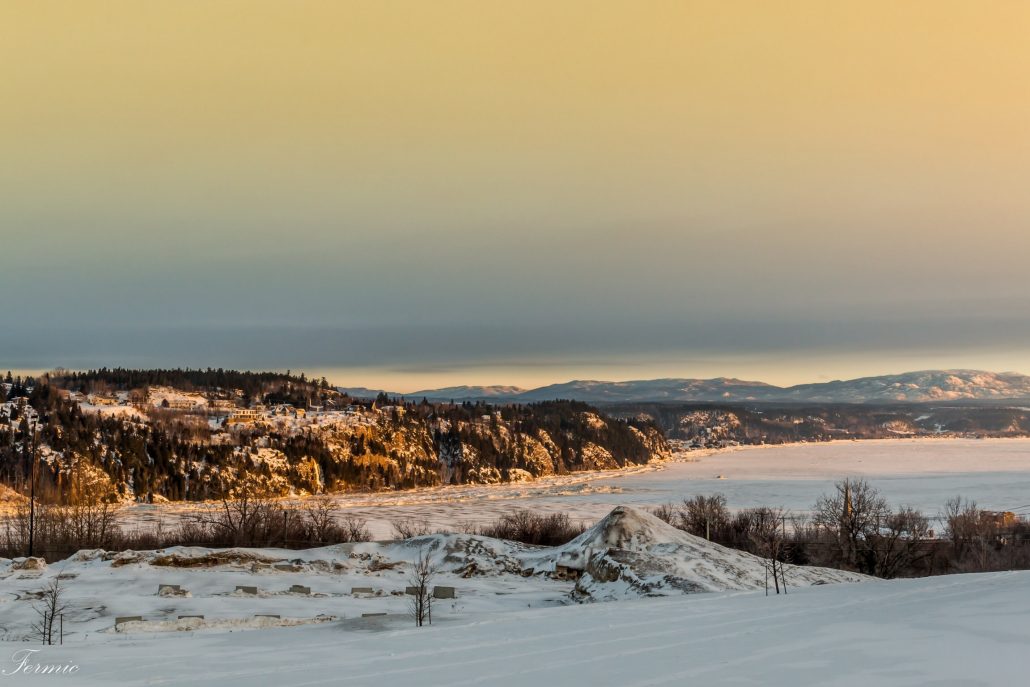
(573, 482)
(576, 482)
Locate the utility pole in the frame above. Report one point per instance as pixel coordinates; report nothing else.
(32, 492)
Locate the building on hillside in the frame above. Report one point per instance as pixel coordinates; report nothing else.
(288, 410)
(244, 415)
(1001, 520)
(183, 403)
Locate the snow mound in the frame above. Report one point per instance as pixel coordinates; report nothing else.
(30, 563)
(632, 530)
(631, 553)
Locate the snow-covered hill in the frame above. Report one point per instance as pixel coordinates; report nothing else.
(912, 387)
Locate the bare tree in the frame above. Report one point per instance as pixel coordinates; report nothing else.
(854, 512)
(321, 517)
(768, 539)
(91, 514)
(899, 543)
(704, 515)
(246, 517)
(51, 608)
(971, 531)
(421, 603)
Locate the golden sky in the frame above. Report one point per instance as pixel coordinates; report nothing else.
(385, 166)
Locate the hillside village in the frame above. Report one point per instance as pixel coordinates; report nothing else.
(189, 435)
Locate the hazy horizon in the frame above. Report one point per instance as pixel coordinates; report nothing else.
(417, 195)
(405, 383)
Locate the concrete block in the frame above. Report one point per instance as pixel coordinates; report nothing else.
(246, 590)
(183, 617)
(267, 615)
(300, 589)
(361, 590)
(127, 619)
(443, 592)
(371, 615)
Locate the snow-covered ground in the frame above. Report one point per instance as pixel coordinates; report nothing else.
(654, 606)
(955, 630)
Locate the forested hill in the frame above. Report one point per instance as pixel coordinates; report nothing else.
(214, 382)
(198, 434)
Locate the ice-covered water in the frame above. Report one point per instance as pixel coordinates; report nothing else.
(922, 473)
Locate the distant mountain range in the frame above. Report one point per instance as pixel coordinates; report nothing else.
(909, 387)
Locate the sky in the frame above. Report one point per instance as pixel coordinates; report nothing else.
(412, 194)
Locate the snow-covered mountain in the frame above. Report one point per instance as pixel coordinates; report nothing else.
(721, 388)
(464, 391)
(911, 387)
(926, 385)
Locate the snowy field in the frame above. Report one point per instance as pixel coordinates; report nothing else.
(946, 631)
(922, 473)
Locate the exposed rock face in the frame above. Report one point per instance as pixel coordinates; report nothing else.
(185, 454)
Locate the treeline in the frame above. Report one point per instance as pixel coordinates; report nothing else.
(265, 387)
(854, 528)
(186, 379)
(54, 532)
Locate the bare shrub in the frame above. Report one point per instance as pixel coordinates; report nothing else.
(667, 513)
(247, 517)
(353, 529)
(409, 528)
(534, 528)
(323, 525)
